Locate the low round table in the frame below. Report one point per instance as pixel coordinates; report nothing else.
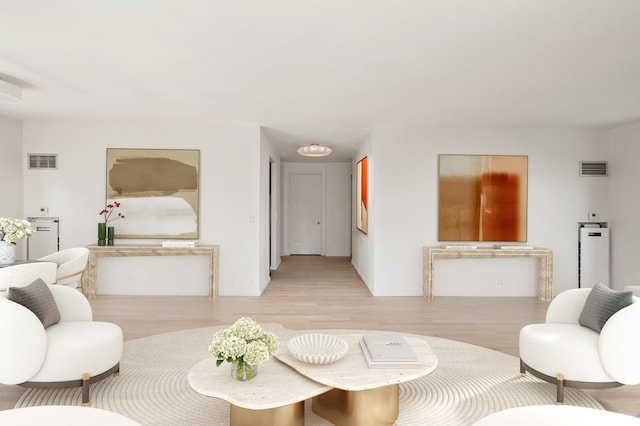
(59, 415)
(346, 392)
(274, 397)
(361, 395)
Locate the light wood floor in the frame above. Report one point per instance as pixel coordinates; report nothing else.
(325, 292)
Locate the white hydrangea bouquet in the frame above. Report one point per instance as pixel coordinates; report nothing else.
(12, 230)
(245, 345)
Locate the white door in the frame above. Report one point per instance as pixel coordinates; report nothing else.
(305, 226)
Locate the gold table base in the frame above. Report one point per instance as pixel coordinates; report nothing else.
(372, 407)
(288, 415)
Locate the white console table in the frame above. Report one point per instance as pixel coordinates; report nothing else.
(544, 256)
(90, 276)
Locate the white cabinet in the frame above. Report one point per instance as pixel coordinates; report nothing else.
(45, 238)
(593, 255)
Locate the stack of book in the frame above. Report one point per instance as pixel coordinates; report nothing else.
(187, 243)
(513, 247)
(461, 247)
(388, 351)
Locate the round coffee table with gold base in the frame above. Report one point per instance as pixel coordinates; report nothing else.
(275, 397)
(361, 395)
(346, 392)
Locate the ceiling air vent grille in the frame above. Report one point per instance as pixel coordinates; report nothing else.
(43, 161)
(593, 168)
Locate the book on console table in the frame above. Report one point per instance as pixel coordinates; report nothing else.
(513, 247)
(186, 243)
(388, 351)
(460, 247)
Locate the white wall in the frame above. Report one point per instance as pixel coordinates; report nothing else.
(229, 186)
(362, 257)
(269, 239)
(338, 209)
(624, 177)
(336, 200)
(404, 205)
(11, 164)
(403, 194)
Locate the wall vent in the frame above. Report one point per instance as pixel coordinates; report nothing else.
(43, 161)
(593, 168)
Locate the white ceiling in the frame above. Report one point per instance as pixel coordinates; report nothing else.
(326, 71)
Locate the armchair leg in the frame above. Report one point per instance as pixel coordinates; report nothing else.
(561, 382)
(560, 389)
(83, 382)
(85, 390)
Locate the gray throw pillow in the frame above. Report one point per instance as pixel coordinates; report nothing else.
(601, 303)
(38, 298)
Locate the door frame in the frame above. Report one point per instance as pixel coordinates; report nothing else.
(301, 169)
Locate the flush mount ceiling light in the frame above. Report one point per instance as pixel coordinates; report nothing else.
(9, 92)
(314, 150)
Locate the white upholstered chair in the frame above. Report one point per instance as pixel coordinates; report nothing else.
(71, 264)
(25, 273)
(563, 352)
(75, 351)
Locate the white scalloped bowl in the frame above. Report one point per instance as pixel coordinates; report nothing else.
(317, 348)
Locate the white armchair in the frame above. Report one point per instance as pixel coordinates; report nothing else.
(563, 352)
(76, 351)
(25, 273)
(71, 264)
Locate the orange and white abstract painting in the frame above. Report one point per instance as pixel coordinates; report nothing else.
(482, 198)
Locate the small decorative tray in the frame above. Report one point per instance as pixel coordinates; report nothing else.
(317, 348)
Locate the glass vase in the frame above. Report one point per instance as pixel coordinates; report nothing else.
(242, 371)
(102, 234)
(110, 235)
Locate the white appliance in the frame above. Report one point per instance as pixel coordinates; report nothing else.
(45, 239)
(593, 254)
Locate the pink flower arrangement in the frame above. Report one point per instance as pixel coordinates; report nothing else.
(109, 210)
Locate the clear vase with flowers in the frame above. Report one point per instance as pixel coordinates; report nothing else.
(244, 345)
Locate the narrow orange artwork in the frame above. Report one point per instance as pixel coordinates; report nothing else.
(362, 194)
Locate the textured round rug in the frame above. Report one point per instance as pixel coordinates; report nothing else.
(469, 383)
